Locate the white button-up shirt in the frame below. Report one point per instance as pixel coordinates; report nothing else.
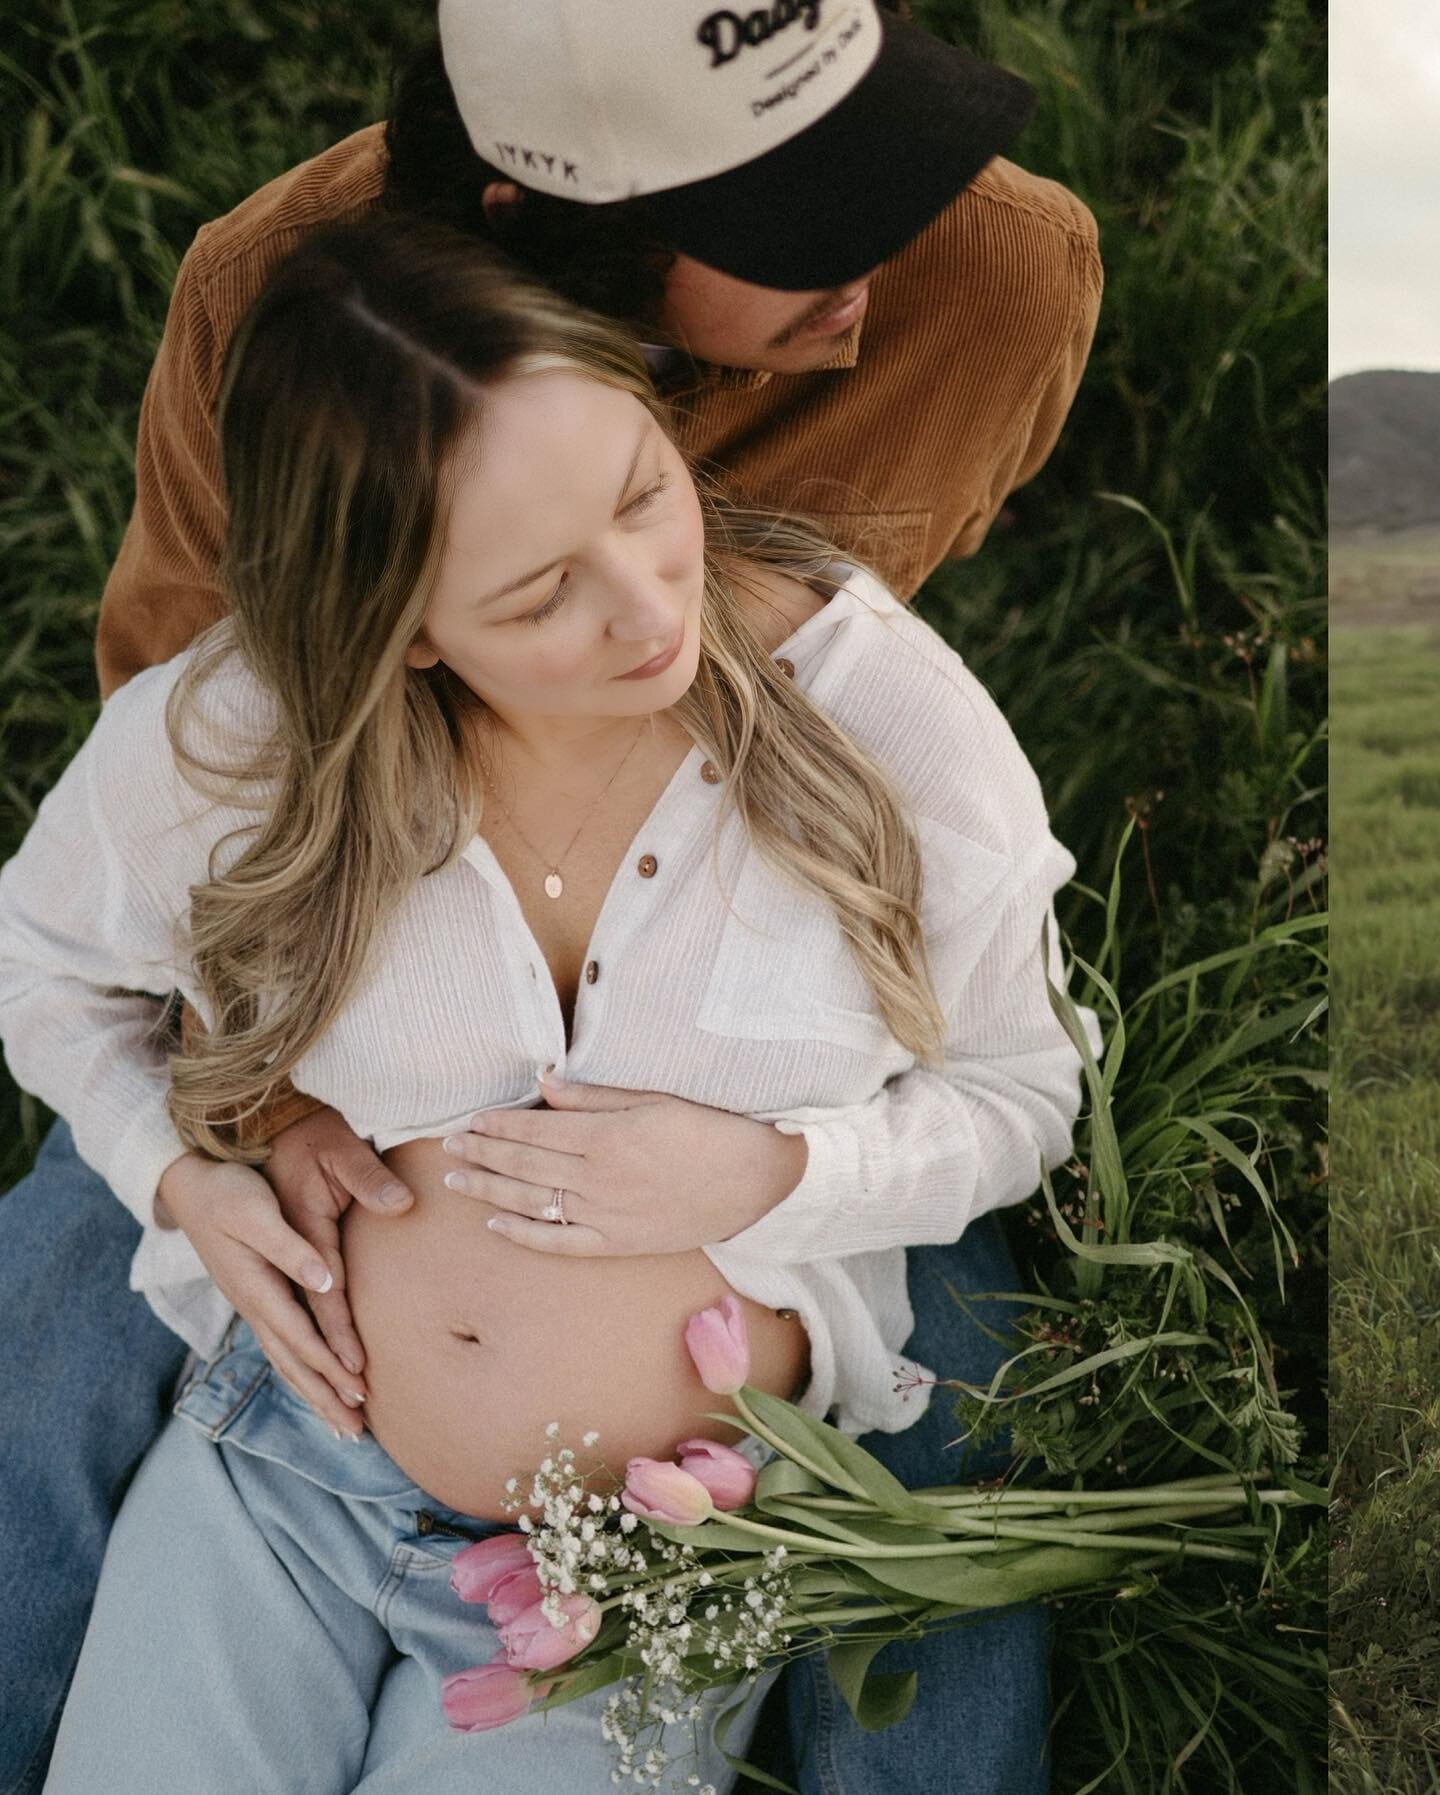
(708, 975)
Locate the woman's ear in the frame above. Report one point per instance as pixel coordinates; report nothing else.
(500, 200)
(420, 654)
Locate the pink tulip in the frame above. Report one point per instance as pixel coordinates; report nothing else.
(720, 1346)
(513, 1594)
(728, 1475)
(486, 1695)
(533, 1642)
(660, 1492)
(476, 1569)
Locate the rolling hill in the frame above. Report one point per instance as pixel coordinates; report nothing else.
(1385, 450)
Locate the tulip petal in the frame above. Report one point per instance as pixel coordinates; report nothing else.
(484, 1696)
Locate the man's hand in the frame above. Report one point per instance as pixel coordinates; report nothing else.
(317, 1167)
(642, 1172)
(258, 1239)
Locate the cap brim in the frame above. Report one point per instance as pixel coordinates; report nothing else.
(853, 188)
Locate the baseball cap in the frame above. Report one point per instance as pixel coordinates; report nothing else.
(794, 144)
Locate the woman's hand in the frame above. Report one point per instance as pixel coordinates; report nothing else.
(234, 1220)
(642, 1172)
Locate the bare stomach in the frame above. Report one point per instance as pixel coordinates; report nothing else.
(474, 1344)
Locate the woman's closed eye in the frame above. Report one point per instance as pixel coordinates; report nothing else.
(641, 503)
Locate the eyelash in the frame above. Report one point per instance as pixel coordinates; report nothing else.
(643, 503)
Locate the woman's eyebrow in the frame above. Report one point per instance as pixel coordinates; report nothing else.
(535, 573)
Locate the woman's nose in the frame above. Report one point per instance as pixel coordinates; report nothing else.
(647, 607)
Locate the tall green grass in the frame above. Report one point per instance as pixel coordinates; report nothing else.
(1148, 613)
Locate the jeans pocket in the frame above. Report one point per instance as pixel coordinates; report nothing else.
(237, 1398)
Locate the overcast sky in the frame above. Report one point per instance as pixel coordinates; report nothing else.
(1385, 184)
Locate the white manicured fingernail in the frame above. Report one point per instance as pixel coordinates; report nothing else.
(454, 1143)
(317, 1276)
(454, 1181)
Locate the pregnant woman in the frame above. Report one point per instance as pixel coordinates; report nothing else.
(519, 757)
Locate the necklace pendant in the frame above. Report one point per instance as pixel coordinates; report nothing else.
(554, 885)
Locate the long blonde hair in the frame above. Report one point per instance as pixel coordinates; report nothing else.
(347, 386)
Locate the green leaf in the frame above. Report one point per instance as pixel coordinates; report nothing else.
(877, 1700)
(849, 1466)
(1027, 1575)
(723, 1723)
(886, 1699)
(588, 1677)
(713, 1535)
(849, 1664)
(783, 1477)
(865, 1530)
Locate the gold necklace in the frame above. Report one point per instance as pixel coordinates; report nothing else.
(554, 885)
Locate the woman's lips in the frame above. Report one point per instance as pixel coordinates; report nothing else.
(660, 662)
(834, 322)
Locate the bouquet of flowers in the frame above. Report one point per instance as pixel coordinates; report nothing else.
(700, 1572)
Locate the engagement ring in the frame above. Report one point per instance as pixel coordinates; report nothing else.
(554, 1210)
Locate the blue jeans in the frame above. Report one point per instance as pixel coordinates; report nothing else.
(86, 1377)
(275, 1613)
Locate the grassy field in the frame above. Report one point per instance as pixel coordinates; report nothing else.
(1385, 1300)
(1149, 613)
(1390, 580)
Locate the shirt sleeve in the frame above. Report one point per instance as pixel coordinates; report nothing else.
(935, 1148)
(86, 962)
(164, 587)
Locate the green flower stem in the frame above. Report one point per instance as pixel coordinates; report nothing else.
(1161, 1495)
(838, 1617)
(1119, 1522)
(660, 1580)
(759, 1429)
(845, 1550)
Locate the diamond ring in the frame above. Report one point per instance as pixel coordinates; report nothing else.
(554, 1210)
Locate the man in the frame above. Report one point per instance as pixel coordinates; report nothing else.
(858, 312)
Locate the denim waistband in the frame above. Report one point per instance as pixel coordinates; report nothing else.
(238, 1398)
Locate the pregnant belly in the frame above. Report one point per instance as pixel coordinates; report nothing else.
(474, 1344)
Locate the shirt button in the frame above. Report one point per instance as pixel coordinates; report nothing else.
(710, 773)
(787, 668)
(592, 972)
(646, 866)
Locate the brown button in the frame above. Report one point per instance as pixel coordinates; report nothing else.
(592, 972)
(787, 668)
(710, 773)
(646, 866)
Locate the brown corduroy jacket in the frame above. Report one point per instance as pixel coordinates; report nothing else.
(947, 395)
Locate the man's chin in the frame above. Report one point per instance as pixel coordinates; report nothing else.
(806, 354)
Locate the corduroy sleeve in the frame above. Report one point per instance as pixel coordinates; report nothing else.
(1037, 429)
(163, 589)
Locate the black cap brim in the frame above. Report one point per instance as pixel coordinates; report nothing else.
(853, 188)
